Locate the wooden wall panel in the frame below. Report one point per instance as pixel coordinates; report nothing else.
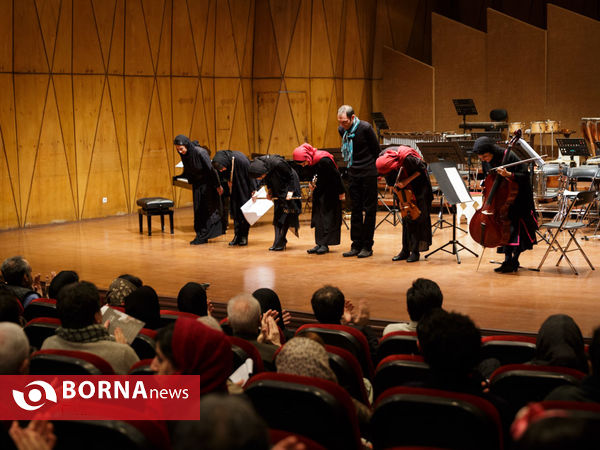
(62, 60)
(226, 95)
(154, 12)
(6, 43)
(573, 68)
(49, 15)
(9, 217)
(225, 49)
(104, 15)
(459, 59)
(9, 143)
(266, 54)
(205, 124)
(516, 68)
(297, 61)
(116, 89)
(63, 93)
(184, 61)
(334, 17)
(298, 96)
(117, 50)
(87, 54)
(242, 20)
(321, 53)
(406, 93)
(323, 109)
(29, 52)
(138, 55)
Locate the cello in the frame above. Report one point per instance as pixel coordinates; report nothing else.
(407, 203)
(490, 225)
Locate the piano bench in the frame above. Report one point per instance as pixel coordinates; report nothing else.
(155, 206)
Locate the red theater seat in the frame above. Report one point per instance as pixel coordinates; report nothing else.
(397, 370)
(142, 367)
(40, 328)
(508, 349)
(68, 362)
(144, 343)
(242, 350)
(398, 343)
(168, 316)
(348, 372)
(40, 307)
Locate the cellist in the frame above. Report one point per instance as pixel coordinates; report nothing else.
(404, 167)
(521, 213)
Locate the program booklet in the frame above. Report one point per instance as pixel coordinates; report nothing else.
(130, 326)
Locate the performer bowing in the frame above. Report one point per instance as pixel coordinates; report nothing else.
(284, 189)
(233, 170)
(206, 190)
(404, 168)
(521, 213)
(327, 196)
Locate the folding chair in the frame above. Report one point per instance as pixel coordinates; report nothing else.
(583, 202)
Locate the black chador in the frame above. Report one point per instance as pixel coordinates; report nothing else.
(239, 186)
(197, 168)
(281, 180)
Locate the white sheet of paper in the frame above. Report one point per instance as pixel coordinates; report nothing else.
(255, 210)
(243, 372)
(179, 164)
(458, 184)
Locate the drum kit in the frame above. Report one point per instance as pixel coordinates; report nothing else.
(541, 127)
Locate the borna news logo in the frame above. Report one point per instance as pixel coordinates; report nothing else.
(35, 396)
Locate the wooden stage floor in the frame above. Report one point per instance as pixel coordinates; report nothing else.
(101, 249)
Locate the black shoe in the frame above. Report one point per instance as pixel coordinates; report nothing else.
(235, 240)
(414, 256)
(312, 251)
(198, 241)
(365, 253)
(278, 248)
(242, 241)
(352, 252)
(508, 267)
(322, 250)
(401, 256)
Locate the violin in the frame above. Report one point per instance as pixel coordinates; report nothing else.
(407, 202)
(490, 225)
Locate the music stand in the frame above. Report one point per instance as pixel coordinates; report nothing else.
(495, 135)
(442, 151)
(453, 187)
(572, 148)
(380, 123)
(464, 107)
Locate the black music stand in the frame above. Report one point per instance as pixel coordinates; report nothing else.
(464, 107)
(380, 123)
(454, 189)
(393, 211)
(572, 148)
(442, 151)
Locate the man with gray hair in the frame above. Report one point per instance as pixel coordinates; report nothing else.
(16, 272)
(360, 149)
(14, 350)
(248, 323)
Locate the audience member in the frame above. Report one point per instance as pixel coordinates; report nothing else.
(37, 435)
(269, 300)
(120, 288)
(331, 307)
(10, 308)
(247, 323)
(143, 304)
(560, 343)
(589, 390)
(78, 308)
(63, 278)
(211, 322)
(192, 299)
(423, 296)
(16, 272)
(14, 349)
(189, 347)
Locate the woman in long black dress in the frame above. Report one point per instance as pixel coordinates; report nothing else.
(240, 188)
(327, 197)
(197, 168)
(284, 188)
(404, 167)
(522, 215)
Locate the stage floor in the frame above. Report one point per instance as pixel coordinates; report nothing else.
(101, 249)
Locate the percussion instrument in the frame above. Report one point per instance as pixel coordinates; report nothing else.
(545, 177)
(590, 128)
(552, 126)
(514, 126)
(538, 127)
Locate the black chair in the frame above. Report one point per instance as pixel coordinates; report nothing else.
(318, 409)
(508, 349)
(582, 201)
(398, 343)
(142, 367)
(397, 370)
(144, 344)
(242, 350)
(40, 307)
(67, 362)
(348, 372)
(40, 328)
(419, 417)
(155, 206)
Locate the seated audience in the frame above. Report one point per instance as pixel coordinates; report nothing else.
(269, 300)
(423, 296)
(143, 305)
(14, 349)
(16, 272)
(210, 322)
(589, 390)
(188, 347)
(247, 323)
(120, 288)
(10, 308)
(63, 278)
(560, 343)
(192, 299)
(37, 435)
(331, 307)
(78, 307)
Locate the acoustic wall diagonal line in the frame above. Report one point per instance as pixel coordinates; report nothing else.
(183, 51)
(138, 57)
(8, 126)
(116, 93)
(48, 13)
(152, 12)
(321, 56)
(104, 17)
(284, 16)
(87, 53)
(9, 214)
(29, 53)
(334, 13)
(297, 60)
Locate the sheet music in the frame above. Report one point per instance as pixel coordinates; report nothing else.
(254, 210)
(532, 153)
(458, 184)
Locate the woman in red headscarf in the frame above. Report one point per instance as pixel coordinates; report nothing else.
(327, 197)
(189, 347)
(404, 167)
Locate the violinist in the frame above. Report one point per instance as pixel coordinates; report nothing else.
(404, 169)
(521, 213)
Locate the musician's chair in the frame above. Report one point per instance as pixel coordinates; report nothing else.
(578, 206)
(155, 206)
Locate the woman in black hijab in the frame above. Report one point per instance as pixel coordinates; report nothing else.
(143, 305)
(269, 300)
(197, 168)
(283, 184)
(192, 299)
(522, 215)
(560, 343)
(240, 188)
(63, 278)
